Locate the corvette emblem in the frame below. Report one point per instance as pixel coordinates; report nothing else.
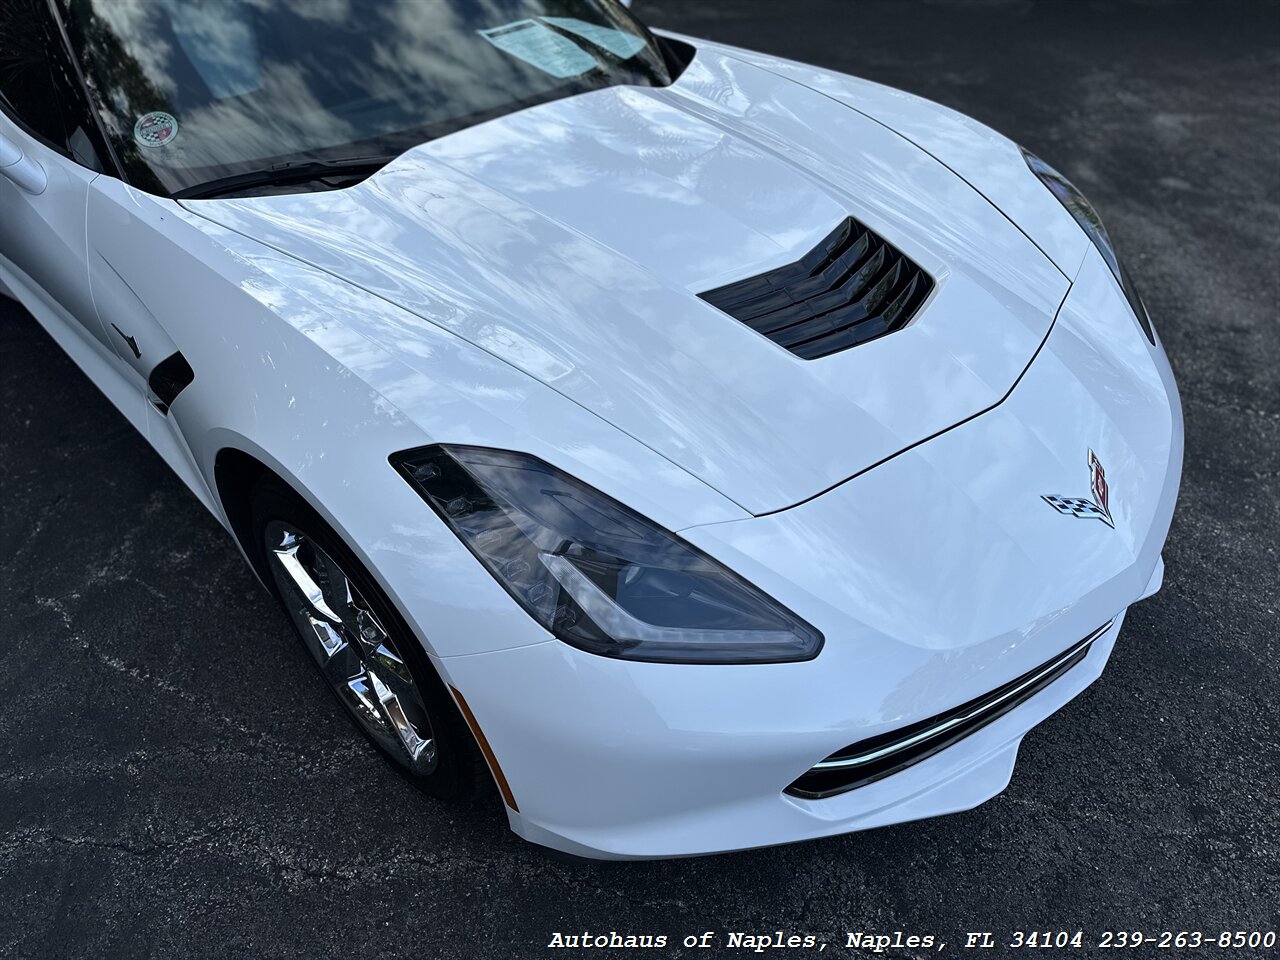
(155, 129)
(1099, 508)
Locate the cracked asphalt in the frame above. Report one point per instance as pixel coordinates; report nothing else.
(175, 781)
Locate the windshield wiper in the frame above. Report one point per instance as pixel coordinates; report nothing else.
(282, 174)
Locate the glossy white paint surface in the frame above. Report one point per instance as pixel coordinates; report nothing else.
(42, 234)
(530, 284)
(989, 161)
(22, 171)
(572, 240)
(935, 577)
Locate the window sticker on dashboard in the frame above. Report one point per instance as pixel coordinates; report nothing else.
(537, 44)
(621, 44)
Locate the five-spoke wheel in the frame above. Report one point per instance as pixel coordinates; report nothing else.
(366, 652)
(354, 651)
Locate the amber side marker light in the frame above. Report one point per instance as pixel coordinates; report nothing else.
(503, 787)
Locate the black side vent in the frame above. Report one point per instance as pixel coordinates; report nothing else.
(852, 287)
(171, 376)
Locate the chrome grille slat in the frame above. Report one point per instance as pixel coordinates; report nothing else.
(877, 757)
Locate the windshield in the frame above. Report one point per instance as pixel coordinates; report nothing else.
(196, 92)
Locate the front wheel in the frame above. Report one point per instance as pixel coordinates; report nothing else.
(364, 650)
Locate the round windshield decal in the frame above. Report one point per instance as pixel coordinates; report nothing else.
(155, 129)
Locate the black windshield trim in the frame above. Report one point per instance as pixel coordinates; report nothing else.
(99, 128)
(300, 171)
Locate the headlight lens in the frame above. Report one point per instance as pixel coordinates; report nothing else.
(1091, 223)
(596, 574)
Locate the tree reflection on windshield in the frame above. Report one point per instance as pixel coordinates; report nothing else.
(194, 92)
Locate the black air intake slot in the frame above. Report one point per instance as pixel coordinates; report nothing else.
(852, 287)
(881, 756)
(171, 376)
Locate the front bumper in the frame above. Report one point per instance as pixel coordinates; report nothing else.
(936, 577)
(612, 780)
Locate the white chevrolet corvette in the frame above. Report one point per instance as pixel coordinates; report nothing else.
(713, 450)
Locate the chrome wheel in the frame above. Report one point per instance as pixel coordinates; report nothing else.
(356, 654)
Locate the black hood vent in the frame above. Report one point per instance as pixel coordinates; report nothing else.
(852, 287)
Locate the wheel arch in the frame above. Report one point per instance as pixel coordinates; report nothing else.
(235, 474)
(238, 469)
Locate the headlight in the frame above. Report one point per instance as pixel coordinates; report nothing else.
(1088, 218)
(595, 573)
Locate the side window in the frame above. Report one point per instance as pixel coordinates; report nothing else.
(38, 86)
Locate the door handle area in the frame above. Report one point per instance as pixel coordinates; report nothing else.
(23, 171)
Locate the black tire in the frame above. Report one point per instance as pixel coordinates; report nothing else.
(460, 772)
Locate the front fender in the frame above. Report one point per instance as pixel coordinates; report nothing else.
(281, 374)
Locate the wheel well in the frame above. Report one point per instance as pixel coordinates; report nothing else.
(235, 474)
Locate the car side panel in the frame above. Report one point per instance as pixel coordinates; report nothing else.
(42, 236)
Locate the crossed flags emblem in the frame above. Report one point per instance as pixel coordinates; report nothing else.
(1097, 509)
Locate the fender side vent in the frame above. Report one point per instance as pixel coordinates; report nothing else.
(170, 377)
(852, 287)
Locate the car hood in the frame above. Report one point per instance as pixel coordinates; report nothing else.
(572, 239)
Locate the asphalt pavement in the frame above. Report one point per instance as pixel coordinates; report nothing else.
(175, 781)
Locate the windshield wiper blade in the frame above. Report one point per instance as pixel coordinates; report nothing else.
(281, 174)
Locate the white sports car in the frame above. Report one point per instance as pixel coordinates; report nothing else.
(714, 451)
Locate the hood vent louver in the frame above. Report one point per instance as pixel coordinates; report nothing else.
(852, 287)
